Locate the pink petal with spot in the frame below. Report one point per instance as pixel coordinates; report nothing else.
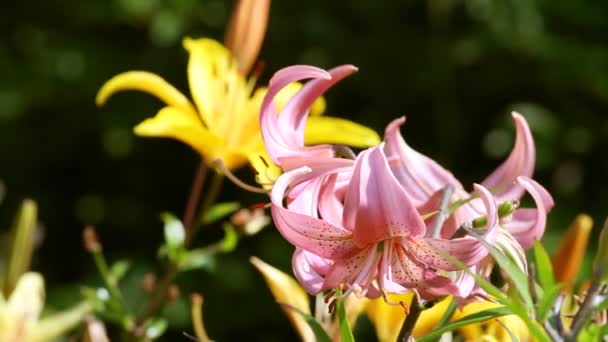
(376, 206)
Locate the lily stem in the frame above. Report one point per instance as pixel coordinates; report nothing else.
(409, 323)
(195, 195)
(584, 311)
(160, 293)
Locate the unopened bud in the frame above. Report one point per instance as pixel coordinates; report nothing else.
(246, 31)
(149, 282)
(173, 293)
(600, 264)
(95, 330)
(91, 243)
(507, 207)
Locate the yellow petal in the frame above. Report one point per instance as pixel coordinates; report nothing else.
(330, 130)
(213, 77)
(569, 256)
(27, 299)
(146, 82)
(281, 99)
(171, 122)
(387, 319)
(266, 172)
(285, 289)
(49, 328)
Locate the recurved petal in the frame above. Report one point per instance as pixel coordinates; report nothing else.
(306, 232)
(528, 225)
(467, 250)
(419, 175)
(331, 130)
(310, 270)
(283, 97)
(146, 82)
(171, 122)
(27, 299)
(519, 163)
(286, 290)
(376, 206)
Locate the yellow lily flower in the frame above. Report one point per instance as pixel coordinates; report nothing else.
(19, 314)
(223, 121)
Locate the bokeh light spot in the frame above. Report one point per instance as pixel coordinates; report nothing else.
(12, 104)
(90, 209)
(118, 142)
(496, 143)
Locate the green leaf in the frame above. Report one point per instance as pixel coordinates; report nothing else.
(518, 277)
(477, 317)
(317, 329)
(514, 305)
(544, 267)
(197, 258)
(155, 327)
(231, 238)
(346, 333)
(118, 270)
(175, 236)
(447, 315)
(219, 211)
(547, 301)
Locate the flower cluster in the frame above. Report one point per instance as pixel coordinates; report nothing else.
(374, 224)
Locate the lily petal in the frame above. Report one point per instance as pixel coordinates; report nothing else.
(284, 134)
(171, 122)
(146, 82)
(286, 290)
(331, 130)
(519, 163)
(27, 299)
(467, 250)
(306, 232)
(52, 327)
(376, 206)
(310, 270)
(419, 175)
(528, 225)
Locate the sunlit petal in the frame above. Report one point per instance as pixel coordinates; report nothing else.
(286, 290)
(331, 130)
(146, 82)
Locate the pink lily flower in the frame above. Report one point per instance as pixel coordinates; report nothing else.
(284, 134)
(369, 238)
(424, 180)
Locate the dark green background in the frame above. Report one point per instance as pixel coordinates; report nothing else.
(456, 68)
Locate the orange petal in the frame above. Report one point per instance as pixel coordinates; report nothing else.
(569, 256)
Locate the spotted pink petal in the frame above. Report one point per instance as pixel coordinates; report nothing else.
(419, 175)
(528, 225)
(307, 232)
(376, 206)
(357, 270)
(284, 134)
(467, 250)
(519, 163)
(310, 270)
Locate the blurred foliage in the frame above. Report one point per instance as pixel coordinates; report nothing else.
(454, 67)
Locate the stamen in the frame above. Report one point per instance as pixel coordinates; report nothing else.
(220, 165)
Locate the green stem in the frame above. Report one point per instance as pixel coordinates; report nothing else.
(110, 282)
(160, 293)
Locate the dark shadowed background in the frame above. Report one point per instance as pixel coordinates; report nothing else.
(456, 68)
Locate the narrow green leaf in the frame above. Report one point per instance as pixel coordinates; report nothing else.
(477, 317)
(447, 315)
(219, 211)
(317, 329)
(547, 301)
(544, 267)
(346, 333)
(519, 278)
